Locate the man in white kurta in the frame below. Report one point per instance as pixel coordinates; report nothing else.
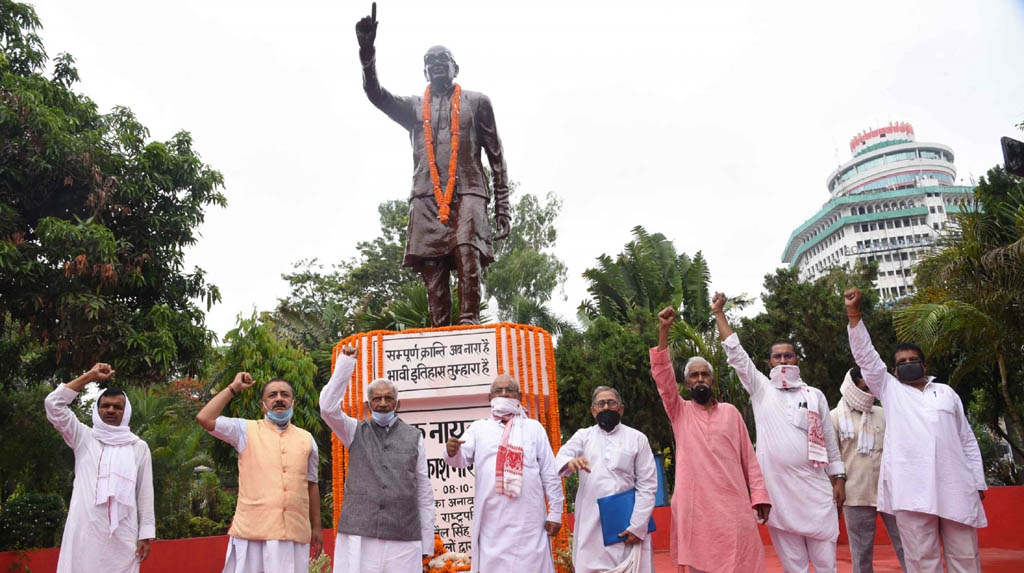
(362, 553)
(610, 457)
(510, 534)
(932, 477)
(265, 555)
(92, 542)
(795, 443)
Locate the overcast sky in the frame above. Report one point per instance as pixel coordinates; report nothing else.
(715, 123)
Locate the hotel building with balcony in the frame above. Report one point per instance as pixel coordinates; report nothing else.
(889, 203)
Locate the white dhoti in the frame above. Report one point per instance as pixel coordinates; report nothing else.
(272, 556)
(358, 554)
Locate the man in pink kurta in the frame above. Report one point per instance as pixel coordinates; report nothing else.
(718, 483)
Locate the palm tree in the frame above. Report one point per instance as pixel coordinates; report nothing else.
(644, 277)
(648, 276)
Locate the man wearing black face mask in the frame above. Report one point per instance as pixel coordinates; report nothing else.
(713, 525)
(932, 477)
(613, 457)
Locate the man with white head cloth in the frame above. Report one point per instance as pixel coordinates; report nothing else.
(610, 458)
(515, 470)
(387, 516)
(110, 521)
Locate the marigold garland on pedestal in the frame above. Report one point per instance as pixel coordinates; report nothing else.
(521, 371)
(543, 414)
(497, 350)
(508, 338)
(531, 381)
(443, 200)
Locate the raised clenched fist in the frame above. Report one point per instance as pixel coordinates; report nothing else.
(718, 303)
(852, 298)
(100, 372)
(242, 381)
(666, 317)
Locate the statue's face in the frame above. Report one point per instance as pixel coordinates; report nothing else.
(439, 66)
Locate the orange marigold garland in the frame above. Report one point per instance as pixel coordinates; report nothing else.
(542, 415)
(443, 200)
(508, 338)
(523, 389)
(380, 356)
(497, 349)
(532, 381)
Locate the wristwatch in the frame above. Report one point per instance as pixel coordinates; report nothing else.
(837, 476)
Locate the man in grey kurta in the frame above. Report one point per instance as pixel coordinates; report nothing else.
(433, 248)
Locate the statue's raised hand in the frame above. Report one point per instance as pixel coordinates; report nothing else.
(366, 30)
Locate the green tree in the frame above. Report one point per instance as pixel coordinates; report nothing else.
(526, 272)
(969, 307)
(165, 419)
(253, 347)
(44, 466)
(609, 353)
(620, 326)
(94, 220)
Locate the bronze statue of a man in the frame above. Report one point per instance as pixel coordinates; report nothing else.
(448, 222)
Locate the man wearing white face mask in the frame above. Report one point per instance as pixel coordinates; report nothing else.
(932, 478)
(796, 443)
(514, 468)
(110, 521)
(387, 522)
(277, 517)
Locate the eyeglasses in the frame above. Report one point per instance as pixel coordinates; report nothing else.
(783, 356)
(509, 391)
(436, 59)
(606, 403)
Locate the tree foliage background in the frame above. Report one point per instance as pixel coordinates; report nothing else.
(94, 220)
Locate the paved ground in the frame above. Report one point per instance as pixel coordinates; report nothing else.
(992, 560)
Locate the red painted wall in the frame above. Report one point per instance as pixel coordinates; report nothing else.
(1003, 505)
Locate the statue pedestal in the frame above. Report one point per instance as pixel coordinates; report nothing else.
(443, 377)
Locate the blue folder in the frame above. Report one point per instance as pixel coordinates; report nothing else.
(616, 511)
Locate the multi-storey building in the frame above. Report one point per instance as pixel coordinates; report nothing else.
(888, 204)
